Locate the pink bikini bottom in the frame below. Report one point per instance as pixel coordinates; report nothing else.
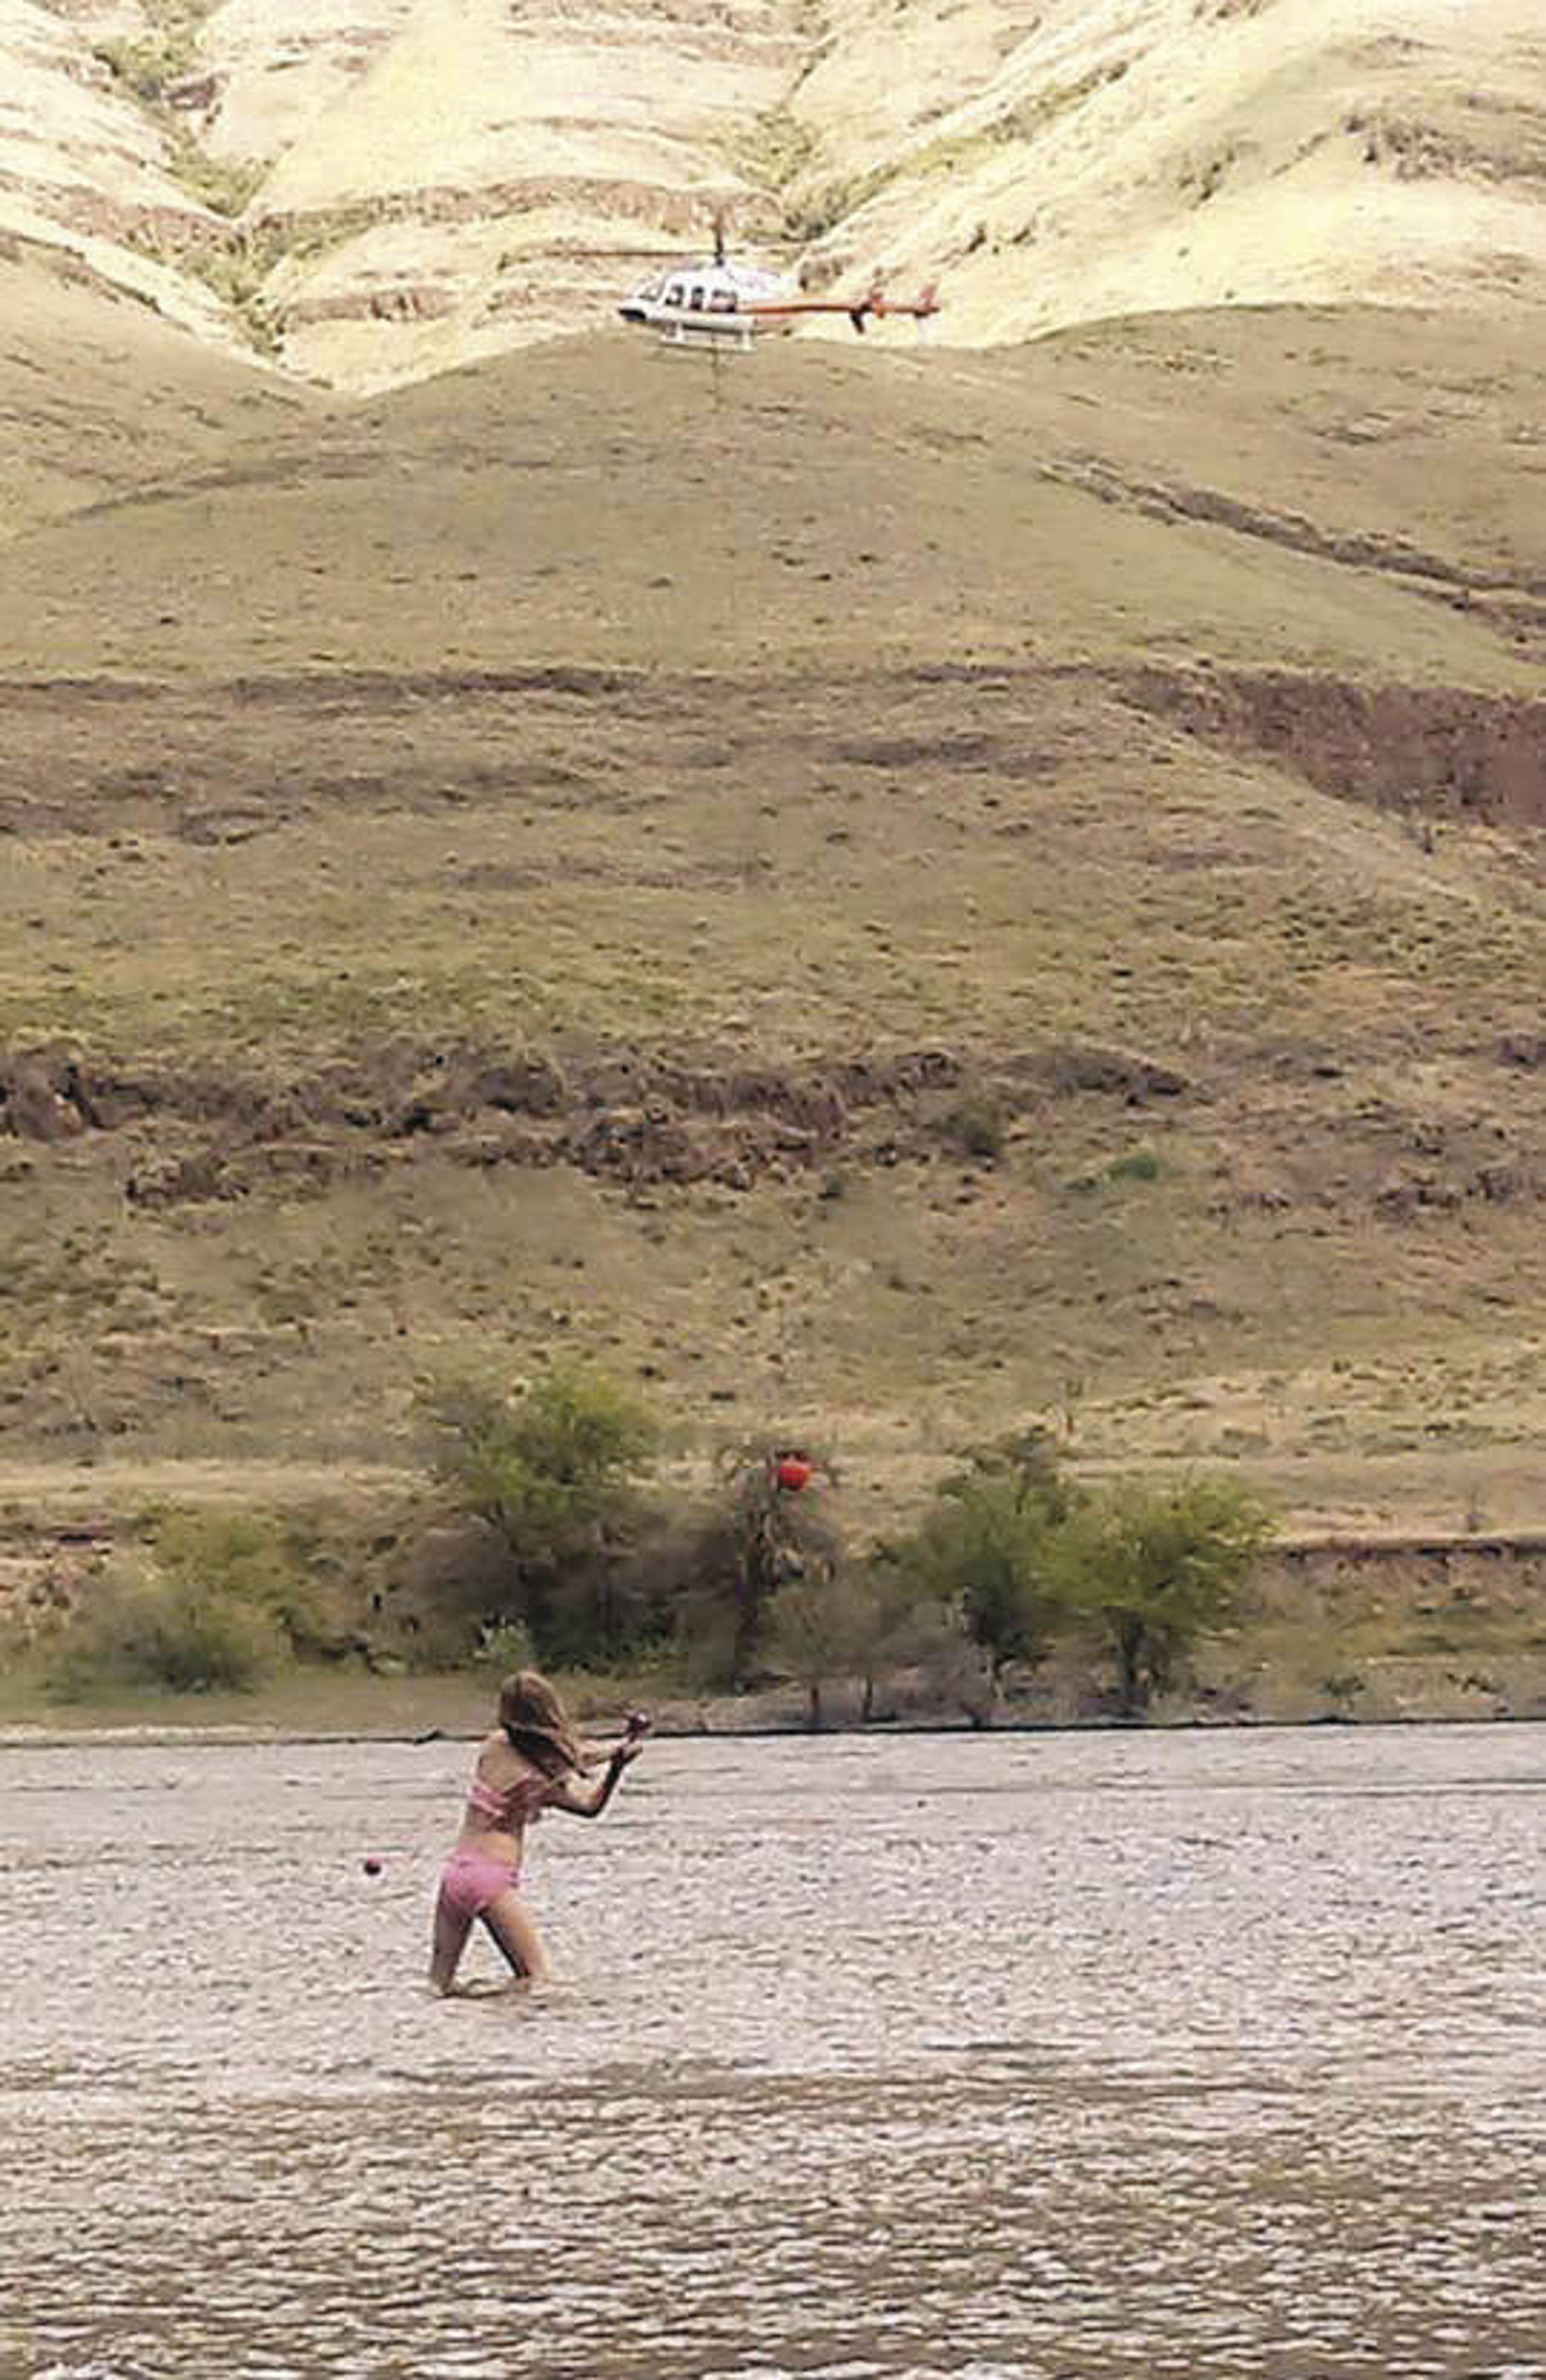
(469, 1880)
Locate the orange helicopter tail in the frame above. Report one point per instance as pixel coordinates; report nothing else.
(927, 302)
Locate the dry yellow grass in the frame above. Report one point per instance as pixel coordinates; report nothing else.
(380, 190)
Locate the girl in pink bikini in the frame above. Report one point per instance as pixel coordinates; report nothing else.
(532, 1762)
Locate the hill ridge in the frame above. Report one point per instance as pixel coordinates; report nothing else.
(367, 192)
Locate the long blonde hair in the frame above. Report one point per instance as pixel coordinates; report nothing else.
(537, 1725)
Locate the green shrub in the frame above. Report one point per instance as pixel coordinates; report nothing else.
(147, 68)
(811, 218)
(1150, 1570)
(141, 1629)
(984, 1546)
(168, 50)
(249, 1557)
(220, 1599)
(505, 1646)
(553, 1473)
(225, 185)
(775, 150)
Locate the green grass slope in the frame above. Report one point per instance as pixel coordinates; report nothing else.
(891, 896)
(605, 504)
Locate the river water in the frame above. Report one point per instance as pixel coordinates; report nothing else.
(1212, 2055)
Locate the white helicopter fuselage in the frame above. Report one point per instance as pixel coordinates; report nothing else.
(711, 301)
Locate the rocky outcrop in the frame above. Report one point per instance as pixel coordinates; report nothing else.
(627, 1115)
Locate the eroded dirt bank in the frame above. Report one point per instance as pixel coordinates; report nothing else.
(222, 762)
(1436, 752)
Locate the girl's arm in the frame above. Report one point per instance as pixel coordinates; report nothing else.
(588, 1800)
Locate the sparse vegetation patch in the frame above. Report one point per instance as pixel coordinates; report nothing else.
(775, 150)
(211, 1603)
(236, 265)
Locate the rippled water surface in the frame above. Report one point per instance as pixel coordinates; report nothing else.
(1212, 2055)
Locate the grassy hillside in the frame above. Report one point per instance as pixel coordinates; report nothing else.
(102, 393)
(889, 896)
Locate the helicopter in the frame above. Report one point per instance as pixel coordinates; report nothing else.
(711, 301)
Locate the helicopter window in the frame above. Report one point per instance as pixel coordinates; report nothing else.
(722, 301)
(697, 299)
(673, 293)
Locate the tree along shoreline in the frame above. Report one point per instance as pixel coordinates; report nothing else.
(1020, 1595)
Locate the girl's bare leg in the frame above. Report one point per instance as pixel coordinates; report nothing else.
(514, 1928)
(450, 1939)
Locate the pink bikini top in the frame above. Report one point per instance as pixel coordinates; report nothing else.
(519, 1804)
